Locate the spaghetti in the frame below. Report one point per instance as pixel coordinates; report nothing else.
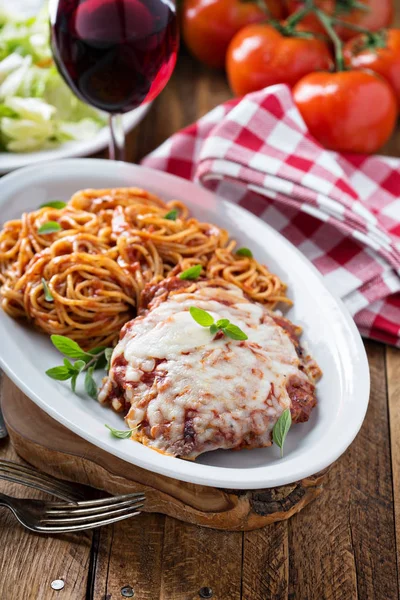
(84, 280)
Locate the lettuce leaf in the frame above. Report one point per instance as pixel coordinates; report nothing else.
(37, 108)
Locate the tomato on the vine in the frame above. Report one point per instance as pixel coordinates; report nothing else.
(378, 14)
(209, 25)
(259, 56)
(348, 111)
(378, 52)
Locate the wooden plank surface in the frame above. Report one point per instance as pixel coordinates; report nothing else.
(196, 558)
(393, 383)
(342, 547)
(30, 562)
(129, 554)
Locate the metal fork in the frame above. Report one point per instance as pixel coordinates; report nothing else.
(57, 517)
(17, 473)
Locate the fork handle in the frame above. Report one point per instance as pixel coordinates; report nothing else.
(4, 498)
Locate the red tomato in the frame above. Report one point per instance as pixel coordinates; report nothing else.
(209, 25)
(259, 56)
(359, 54)
(276, 8)
(380, 14)
(350, 111)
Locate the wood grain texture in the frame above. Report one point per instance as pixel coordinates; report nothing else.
(266, 563)
(30, 562)
(194, 558)
(344, 547)
(129, 554)
(393, 384)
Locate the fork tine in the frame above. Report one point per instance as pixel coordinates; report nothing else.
(105, 502)
(72, 520)
(33, 480)
(38, 485)
(92, 508)
(22, 471)
(83, 526)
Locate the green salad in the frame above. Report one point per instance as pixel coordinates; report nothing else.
(37, 109)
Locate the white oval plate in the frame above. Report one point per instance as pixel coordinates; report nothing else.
(328, 328)
(9, 161)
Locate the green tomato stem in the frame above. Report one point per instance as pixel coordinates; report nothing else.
(92, 361)
(346, 6)
(298, 16)
(337, 42)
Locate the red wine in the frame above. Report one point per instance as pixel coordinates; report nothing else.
(115, 54)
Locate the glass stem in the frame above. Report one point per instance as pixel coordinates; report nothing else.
(117, 138)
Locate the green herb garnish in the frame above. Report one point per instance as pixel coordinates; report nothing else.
(49, 227)
(54, 204)
(281, 429)
(124, 434)
(234, 332)
(204, 319)
(47, 293)
(88, 362)
(201, 317)
(90, 384)
(244, 252)
(107, 355)
(191, 273)
(172, 215)
(68, 347)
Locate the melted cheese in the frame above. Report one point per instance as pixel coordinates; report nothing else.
(203, 393)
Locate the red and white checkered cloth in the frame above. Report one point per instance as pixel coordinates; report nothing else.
(341, 211)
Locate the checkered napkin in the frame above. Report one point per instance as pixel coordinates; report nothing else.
(341, 211)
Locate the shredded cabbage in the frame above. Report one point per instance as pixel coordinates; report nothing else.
(37, 108)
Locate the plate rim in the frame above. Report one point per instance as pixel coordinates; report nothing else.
(226, 474)
(74, 148)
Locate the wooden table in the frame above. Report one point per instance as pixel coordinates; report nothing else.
(344, 546)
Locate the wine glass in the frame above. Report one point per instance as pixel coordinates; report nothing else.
(114, 54)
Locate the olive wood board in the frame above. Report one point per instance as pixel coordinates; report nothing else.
(52, 448)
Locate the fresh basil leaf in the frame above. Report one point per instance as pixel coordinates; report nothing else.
(54, 204)
(68, 347)
(234, 332)
(124, 434)
(47, 293)
(73, 382)
(60, 373)
(214, 329)
(79, 365)
(90, 384)
(171, 215)
(222, 323)
(281, 429)
(68, 364)
(191, 273)
(49, 227)
(201, 317)
(244, 252)
(108, 353)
